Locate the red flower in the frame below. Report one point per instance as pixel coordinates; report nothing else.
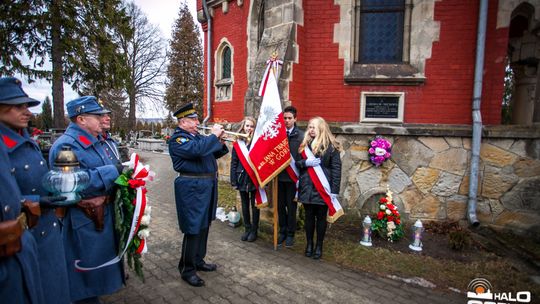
(390, 218)
(391, 207)
(36, 132)
(380, 215)
(383, 200)
(398, 221)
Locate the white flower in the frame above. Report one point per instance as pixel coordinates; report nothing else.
(145, 220)
(148, 209)
(390, 226)
(382, 206)
(380, 151)
(388, 211)
(143, 234)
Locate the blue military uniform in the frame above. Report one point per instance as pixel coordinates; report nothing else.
(28, 166)
(20, 280)
(110, 146)
(194, 158)
(82, 240)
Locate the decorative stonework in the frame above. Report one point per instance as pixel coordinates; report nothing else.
(426, 188)
(423, 32)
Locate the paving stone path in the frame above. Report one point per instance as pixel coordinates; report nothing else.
(249, 272)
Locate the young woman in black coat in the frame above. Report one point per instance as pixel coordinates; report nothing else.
(242, 182)
(326, 149)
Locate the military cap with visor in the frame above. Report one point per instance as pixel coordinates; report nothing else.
(11, 93)
(86, 105)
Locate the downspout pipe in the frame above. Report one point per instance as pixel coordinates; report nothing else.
(208, 63)
(476, 114)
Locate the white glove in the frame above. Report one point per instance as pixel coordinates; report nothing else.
(313, 162)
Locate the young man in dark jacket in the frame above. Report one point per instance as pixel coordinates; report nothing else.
(287, 204)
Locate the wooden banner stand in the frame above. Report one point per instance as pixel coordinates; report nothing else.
(275, 207)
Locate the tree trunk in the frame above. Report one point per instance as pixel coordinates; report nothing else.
(57, 68)
(132, 121)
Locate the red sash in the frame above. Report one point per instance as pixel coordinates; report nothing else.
(260, 195)
(323, 188)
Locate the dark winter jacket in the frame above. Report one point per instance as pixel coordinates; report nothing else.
(295, 139)
(239, 177)
(331, 165)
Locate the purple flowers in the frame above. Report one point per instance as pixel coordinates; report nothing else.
(380, 150)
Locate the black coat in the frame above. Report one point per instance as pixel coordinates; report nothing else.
(331, 165)
(295, 139)
(239, 177)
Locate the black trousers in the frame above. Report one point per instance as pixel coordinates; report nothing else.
(193, 252)
(250, 213)
(315, 218)
(287, 208)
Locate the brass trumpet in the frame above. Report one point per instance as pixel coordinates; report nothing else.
(246, 137)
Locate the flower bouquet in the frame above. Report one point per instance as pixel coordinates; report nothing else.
(388, 220)
(379, 150)
(132, 213)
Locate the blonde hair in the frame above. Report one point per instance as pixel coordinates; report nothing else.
(324, 138)
(243, 124)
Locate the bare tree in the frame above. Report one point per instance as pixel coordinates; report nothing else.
(146, 57)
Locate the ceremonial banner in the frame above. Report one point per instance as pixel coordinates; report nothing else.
(269, 153)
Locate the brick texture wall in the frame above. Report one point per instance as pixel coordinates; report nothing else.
(318, 87)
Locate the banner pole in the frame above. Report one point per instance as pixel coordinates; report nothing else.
(274, 203)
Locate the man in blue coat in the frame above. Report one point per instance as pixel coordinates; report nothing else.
(28, 167)
(20, 281)
(194, 158)
(89, 230)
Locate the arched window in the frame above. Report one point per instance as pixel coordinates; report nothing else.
(224, 71)
(520, 100)
(226, 63)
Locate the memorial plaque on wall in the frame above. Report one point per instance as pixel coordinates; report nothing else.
(382, 107)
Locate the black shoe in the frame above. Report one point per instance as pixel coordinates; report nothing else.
(194, 280)
(207, 267)
(252, 236)
(281, 238)
(245, 236)
(309, 250)
(289, 242)
(318, 252)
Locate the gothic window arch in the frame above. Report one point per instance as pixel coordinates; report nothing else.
(521, 98)
(224, 71)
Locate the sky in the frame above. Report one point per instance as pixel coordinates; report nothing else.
(159, 12)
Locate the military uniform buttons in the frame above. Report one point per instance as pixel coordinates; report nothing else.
(42, 233)
(34, 190)
(6, 209)
(26, 167)
(41, 162)
(54, 224)
(12, 170)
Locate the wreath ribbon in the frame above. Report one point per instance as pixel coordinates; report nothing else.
(140, 175)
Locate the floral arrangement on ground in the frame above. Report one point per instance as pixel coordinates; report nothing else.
(387, 222)
(132, 213)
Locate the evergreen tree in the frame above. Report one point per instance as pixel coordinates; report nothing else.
(79, 37)
(46, 114)
(185, 70)
(169, 121)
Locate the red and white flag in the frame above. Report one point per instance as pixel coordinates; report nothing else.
(269, 153)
